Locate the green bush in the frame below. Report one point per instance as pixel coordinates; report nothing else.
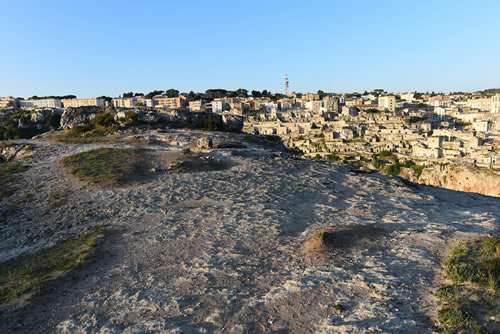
(473, 268)
(103, 119)
(418, 170)
(210, 124)
(333, 157)
(408, 164)
(393, 169)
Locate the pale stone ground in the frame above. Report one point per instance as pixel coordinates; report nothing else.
(219, 251)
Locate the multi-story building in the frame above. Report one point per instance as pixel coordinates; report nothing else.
(314, 105)
(408, 97)
(484, 104)
(387, 103)
(331, 103)
(310, 97)
(495, 104)
(8, 102)
(196, 106)
(164, 101)
(218, 105)
(90, 102)
(124, 102)
(41, 103)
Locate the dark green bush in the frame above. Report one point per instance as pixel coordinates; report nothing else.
(393, 169)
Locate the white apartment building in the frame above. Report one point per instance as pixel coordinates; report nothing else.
(124, 102)
(90, 102)
(218, 105)
(41, 103)
(387, 103)
(314, 105)
(408, 96)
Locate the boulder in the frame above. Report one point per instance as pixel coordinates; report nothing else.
(37, 117)
(232, 123)
(120, 114)
(75, 117)
(150, 117)
(13, 151)
(205, 143)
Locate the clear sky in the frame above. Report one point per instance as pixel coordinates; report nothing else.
(92, 48)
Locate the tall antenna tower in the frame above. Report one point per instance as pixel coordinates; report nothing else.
(286, 84)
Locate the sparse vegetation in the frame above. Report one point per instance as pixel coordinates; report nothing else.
(9, 175)
(393, 169)
(10, 124)
(463, 124)
(211, 124)
(412, 120)
(24, 276)
(339, 308)
(470, 302)
(131, 118)
(229, 144)
(59, 198)
(418, 169)
(103, 166)
(333, 157)
(97, 129)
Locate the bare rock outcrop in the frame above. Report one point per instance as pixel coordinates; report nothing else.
(462, 178)
(76, 117)
(205, 143)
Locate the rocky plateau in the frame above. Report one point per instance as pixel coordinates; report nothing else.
(222, 251)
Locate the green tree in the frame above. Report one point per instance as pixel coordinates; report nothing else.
(227, 107)
(256, 93)
(129, 94)
(172, 92)
(242, 92)
(153, 93)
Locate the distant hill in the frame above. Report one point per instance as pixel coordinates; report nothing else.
(490, 91)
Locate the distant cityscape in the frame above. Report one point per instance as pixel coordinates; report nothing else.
(459, 127)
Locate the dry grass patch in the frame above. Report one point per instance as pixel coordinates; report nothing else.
(23, 277)
(106, 166)
(9, 176)
(120, 167)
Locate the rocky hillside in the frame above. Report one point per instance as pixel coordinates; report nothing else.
(225, 250)
(461, 178)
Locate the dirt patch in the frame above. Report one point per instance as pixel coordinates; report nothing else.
(340, 240)
(193, 163)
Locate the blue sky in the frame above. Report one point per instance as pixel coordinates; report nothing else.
(92, 48)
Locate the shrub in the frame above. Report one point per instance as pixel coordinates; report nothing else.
(418, 170)
(210, 124)
(476, 262)
(333, 157)
(103, 119)
(393, 169)
(408, 164)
